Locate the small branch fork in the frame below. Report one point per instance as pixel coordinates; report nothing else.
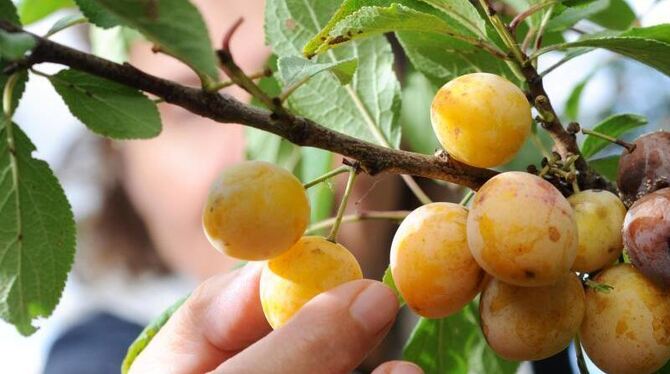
(565, 141)
(223, 108)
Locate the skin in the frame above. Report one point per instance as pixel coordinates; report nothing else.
(522, 230)
(221, 329)
(646, 232)
(647, 168)
(531, 323)
(255, 211)
(599, 215)
(430, 261)
(481, 119)
(627, 330)
(313, 265)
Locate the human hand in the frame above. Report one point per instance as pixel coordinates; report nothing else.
(221, 328)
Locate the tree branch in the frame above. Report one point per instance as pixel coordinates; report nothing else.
(223, 108)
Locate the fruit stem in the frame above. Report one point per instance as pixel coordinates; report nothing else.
(527, 13)
(416, 189)
(581, 362)
(390, 215)
(629, 146)
(466, 199)
(328, 175)
(257, 75)
(353, 172)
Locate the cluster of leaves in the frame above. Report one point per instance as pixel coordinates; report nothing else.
(334, 65)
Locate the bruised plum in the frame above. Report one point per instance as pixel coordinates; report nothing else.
(646, 234)
(647, 168)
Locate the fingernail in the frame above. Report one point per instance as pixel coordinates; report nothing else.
(374, 308)
(406, 368)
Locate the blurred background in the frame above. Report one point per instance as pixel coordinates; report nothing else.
(611, 85)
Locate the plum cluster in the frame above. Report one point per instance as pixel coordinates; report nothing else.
(258, 211)
(546, 268)
(528, 251)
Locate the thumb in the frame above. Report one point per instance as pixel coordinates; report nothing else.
(331, 334)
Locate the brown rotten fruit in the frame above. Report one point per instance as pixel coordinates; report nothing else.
(646, 234)
(647, 168)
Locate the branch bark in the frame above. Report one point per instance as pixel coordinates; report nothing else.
(223, 108)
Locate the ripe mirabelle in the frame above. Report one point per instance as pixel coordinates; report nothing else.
(430, 261)
(481, 119)
(313, 265)
(627, 330)
(646, 232)
(522, 230)
(531, 323)
(599, 215)
(255, 211)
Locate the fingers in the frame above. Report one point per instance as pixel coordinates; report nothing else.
(220, 318)
(397, 367)
(331, 334)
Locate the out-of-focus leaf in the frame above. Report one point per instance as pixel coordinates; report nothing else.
(314, 163)
(618, 16)
(567, 16)
(388, 280)
(147, 335)
(417, 96)
(8, 12)
(294, 69)
(606, 166)
(613, 126)
(572, 104)
(98, 15)
(454, 345)
(34, 10)
(649, 45)
(66, 22)
(13, 46)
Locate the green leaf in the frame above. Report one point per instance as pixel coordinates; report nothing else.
(37, 239)
(442, 59)
(417, 96)
(613, 126)
(369, 21)
(8, 12)
(464, 12)
(521, 5)
(454, 345)
(34, 10)
(316, 162)
(572, 104)
(66, 22)
(347, 8)
(19, 87)
(606, 166)
(175, 26)
(567, 16)
(13, 46)
(145, 337)
(649, 45)
(294, 69)
(98, 15)
(618, 16)
(107, 108)
(388, 280)
(367, 107)
(265, 146)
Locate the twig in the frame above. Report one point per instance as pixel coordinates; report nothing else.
(328, 175)
(629, 146)
(353, 172)
(392, 215)
(527, 13)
